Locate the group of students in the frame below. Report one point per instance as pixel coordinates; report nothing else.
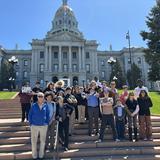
(97, 101)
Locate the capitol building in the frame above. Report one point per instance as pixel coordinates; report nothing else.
(65, 53)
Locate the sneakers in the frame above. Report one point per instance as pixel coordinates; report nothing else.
(117, 140)
(66, 149)
(99, 140)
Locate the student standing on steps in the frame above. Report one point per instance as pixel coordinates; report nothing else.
(52, 112)
(132, 109)
(93, 108)
(39, 120)
(120, 113)
(63, 113)
(145, 103)
(107, 116)
(25, 100)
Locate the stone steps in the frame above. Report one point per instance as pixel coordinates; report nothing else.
(97, 152)
(15, 143)
(107, 145)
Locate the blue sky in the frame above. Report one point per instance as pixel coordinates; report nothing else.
(106, 21)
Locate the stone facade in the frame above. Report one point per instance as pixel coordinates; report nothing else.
(65, 53)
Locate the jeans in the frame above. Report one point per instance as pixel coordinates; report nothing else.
(64, 131)
(107, 120)
(93, 113)
(25, 110)
(120, 126)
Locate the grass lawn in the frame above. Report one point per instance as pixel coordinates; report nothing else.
(155, 96)
(6, 95)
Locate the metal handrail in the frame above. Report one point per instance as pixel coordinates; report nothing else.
(56, 148)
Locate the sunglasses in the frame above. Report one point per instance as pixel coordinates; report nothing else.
(40, 96)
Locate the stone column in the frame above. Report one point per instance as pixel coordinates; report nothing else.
(60, 58)
(36, 61)
(50, 58)
(46, 58)
(32, 63)
(83, 58)
(96, 62)
(70, 59)
(80, 59)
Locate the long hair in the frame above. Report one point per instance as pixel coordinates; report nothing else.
(146, 94)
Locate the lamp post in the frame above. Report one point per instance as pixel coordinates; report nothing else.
(12, 61)
(129, 46)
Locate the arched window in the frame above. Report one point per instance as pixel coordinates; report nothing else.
(75, 80)
(54, 79)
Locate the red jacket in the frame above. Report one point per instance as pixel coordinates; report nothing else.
(25, 97)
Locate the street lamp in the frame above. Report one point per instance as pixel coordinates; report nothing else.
(111, 61)
(13, 60)
(129, 45)
(115, 78)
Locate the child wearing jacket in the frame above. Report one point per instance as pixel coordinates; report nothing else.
(120, 113)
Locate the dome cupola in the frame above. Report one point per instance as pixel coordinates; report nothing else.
(65, 20)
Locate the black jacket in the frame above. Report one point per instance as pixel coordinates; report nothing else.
(63, 112)
(144, 106)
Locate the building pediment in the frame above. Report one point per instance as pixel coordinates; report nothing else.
(65, 36)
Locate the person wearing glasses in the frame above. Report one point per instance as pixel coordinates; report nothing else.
(39, 119)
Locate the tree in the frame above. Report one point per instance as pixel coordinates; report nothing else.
(152, 37)
(5, 74)
(132, 75)
(117, 73)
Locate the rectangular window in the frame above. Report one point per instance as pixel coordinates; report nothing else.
(102, 62)
(74, 55)
(65, 67)
(41, 68)
(74, 68)
(41, 55)
(25, 62)
(103, 74)
(139, 60)
(88, 68)
(55, 55)
(64, 55)
(56, 67)
(25, 74)
(87, 55)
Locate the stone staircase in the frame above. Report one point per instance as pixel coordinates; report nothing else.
(15, 141)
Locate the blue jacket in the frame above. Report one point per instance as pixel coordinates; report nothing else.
(39, 117)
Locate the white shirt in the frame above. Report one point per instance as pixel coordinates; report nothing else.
(137, 90)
